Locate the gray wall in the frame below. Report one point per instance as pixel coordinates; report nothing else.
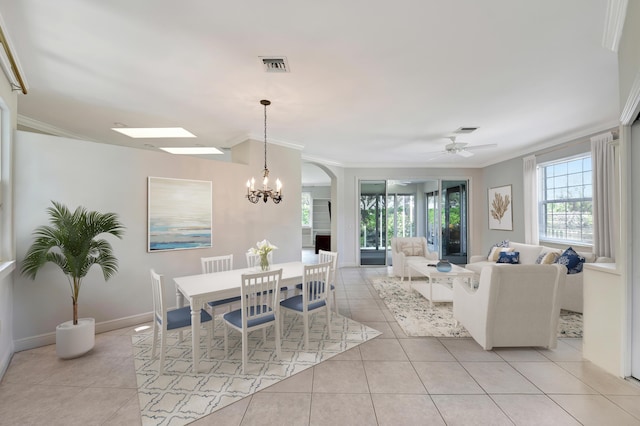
(113, 178)
(7, 246)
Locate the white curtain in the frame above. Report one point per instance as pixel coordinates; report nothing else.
(530, 170)
(604, 194)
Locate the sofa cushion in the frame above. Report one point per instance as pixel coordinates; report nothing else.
(572, 260)
(512, 257)
(548, 257)
(494, 254)
(528, 252)
(412, 248)
(503, 243)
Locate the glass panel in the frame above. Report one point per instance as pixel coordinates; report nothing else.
(454, 221)
(373, 222)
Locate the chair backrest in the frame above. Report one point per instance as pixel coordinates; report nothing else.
(397, 243)
(216, 263)
(522, 298)
(315, 283)
(253, 260)
(157, 285)
(331, 257)
(260, 295)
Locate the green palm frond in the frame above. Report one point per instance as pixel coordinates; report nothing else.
(70, 241)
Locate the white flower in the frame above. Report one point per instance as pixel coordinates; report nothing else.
(263, 248)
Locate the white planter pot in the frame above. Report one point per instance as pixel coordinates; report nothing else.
(75, 340)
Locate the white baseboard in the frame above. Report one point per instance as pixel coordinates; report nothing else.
(5, 359)
(102, 327)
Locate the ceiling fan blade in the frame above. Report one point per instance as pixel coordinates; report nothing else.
(464, 153)
(473, 147)
(440, 154)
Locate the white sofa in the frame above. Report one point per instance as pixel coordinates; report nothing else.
(515, 306)
(406, 248)
(572, 295)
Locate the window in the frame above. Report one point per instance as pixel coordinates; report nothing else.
(565, 201)
(307, 211)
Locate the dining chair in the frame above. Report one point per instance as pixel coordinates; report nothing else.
(172, 320)
(259, 309)
(323, 257)
(253, 261)
(214, 264)
(313, 297)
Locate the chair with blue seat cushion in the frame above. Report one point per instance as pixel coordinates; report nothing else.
(170, 320)
(259, 308)
(214, 264)
(323, 257)
(253, 261)
(313, 297)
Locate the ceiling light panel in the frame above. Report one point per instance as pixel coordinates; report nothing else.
(154, 132)
(193, 150)
(274, 64)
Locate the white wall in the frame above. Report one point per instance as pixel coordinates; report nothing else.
(113, 178)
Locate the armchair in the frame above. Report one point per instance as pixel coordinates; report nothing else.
(514, 305)
(406, 248)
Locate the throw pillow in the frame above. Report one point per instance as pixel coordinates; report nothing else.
(512, 257)
(412, 249)
(495, 253)
(572, 260)
(503, 243)
(547, 258)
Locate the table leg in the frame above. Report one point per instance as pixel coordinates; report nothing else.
(430, 292)
(195, 335)
(179, 304)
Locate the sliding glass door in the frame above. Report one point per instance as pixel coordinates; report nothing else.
(373, 222)
(454, 202)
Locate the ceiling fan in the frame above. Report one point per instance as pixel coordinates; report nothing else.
(460, 148)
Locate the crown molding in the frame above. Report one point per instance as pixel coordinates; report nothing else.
(631, 107)
(49, 129)
(614, 23)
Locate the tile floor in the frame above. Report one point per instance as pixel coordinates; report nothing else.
(391, 380)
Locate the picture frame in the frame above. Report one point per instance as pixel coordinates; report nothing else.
(179, 214)
(500, 206)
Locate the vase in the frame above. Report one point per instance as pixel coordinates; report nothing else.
(443, 266)
(264, 262)
(72, 340)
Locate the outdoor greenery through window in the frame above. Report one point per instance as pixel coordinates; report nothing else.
(565, 202)
(306, 209)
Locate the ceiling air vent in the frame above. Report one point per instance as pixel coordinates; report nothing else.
(275, 64)
(466, 129)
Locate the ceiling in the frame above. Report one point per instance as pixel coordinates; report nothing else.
(371, 83)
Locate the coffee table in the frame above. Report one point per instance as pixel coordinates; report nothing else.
(443, 289)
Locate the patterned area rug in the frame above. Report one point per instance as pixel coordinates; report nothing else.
(417, 318)
(179, 397)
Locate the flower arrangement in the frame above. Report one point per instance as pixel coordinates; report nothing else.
(263, 249)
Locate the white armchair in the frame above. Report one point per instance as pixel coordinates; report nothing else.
(405, 248)
(514, 305)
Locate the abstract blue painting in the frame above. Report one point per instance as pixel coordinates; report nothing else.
(179, 214)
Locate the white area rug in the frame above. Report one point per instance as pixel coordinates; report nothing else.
(179, 397)
(417, 318)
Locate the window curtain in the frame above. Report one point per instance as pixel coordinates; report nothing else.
(604, 194)
(530, 169)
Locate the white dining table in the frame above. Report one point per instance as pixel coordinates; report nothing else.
(202, 288)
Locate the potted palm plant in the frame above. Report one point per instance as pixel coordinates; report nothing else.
(71, 242)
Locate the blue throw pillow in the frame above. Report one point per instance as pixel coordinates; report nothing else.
(512, 257)
(572, 260)
(503, 243)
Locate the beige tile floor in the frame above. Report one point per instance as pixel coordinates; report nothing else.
(391, 380)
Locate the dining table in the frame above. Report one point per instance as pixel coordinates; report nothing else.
(202, 288)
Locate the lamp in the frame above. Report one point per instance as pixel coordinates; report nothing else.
(254, 195)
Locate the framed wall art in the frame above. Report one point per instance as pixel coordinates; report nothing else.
(500, 208)
(179, 214)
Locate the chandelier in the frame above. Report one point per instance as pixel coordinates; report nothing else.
(254, 195)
